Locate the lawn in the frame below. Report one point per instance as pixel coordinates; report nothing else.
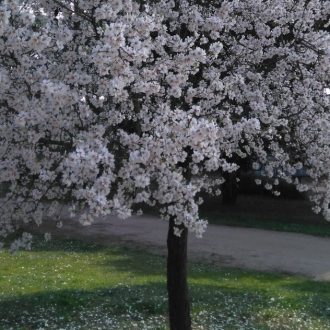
(72, 285)
(256, 211)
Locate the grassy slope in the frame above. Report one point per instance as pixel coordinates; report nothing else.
(238, 220)
(70, 285)
(258, 211)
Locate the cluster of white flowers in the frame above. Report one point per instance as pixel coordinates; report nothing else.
(111, 104)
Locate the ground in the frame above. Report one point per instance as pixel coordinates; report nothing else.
(266, 212)
(70, 285)
(249, 248)
(117, 279)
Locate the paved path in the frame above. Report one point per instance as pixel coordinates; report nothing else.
(230, 246)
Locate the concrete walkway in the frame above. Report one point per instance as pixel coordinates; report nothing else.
(230, 246)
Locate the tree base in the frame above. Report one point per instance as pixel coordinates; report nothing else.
(177, 286)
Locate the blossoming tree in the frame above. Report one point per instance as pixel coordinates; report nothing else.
(114, 104)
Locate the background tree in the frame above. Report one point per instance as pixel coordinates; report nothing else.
(114, 104)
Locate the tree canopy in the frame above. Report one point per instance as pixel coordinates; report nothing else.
(109, 105)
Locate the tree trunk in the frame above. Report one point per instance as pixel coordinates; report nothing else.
(177, 286)
(229, 189)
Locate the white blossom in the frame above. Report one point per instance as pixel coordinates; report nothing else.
(109, 104)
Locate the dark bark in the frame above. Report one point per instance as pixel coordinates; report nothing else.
(229, 189)
(177, 286)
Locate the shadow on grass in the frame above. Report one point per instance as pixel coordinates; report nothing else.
(214, 289)
(141, 263)
(131, 303)
(64, 245)
(79, 307)
(119, 256)
(67, 301)
(212, 286)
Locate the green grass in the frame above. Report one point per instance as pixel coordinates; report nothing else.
(279, 224)
(255, 211)
(72, 285)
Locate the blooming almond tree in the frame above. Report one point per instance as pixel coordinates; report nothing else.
(109, 105)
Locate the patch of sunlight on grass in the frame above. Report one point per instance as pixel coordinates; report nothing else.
(72, 285)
